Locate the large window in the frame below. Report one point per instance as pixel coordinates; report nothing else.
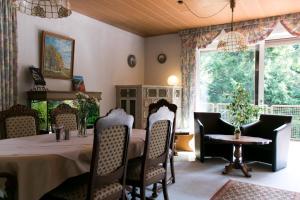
(282, 74)
(277, 79)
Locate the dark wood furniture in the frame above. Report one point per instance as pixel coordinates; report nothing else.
(153, 107)
(172, 107)
(109, 161)
(211, 123)
(65, 115)
(19, 121)
(151, 168)
(276, 128)
(243, 140)
(11, 185)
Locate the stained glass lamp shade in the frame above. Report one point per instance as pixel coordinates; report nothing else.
(44, 8)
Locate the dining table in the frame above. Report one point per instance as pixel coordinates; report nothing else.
(40, 163)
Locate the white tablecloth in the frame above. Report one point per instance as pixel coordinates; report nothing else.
(41, 164)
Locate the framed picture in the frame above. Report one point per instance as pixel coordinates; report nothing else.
(57, 56)
(162, 58)
(131, 60)
(78, 83)
(37, 76)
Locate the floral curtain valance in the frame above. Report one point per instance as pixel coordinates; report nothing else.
(8, 54)
(253, 30)
(191, 39)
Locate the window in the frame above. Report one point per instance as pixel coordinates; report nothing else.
(282, 74)
(219, 71)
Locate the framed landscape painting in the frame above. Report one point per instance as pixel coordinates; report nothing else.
(57, 57)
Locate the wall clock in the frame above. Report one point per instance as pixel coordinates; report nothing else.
(131, 60)
(162, 58)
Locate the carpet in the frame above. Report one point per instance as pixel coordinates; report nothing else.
(235, 190)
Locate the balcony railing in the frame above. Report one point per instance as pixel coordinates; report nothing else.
(293, 110)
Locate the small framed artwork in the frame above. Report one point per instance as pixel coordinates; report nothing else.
(162, 58)
(57, 56)
(37, 76)
(78, 83)
(131, 60)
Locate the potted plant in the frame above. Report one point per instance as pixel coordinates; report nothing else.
(84, 103)
(240, 109)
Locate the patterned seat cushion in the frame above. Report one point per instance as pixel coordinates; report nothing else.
(20, 126)
(79, 191)
(69, 121)
(134, 170)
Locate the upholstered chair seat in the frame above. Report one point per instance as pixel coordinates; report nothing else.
(134, 171)
(77, 190)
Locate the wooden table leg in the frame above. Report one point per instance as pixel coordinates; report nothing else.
(237, 164)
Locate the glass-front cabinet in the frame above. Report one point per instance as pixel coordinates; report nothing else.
(135, 100)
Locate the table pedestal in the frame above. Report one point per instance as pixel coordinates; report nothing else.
(237, 163)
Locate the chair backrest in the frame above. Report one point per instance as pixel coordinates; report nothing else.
(65, 115)
(270, 122)
(20, 121)
(158, 135)
(210, 120)
(109, 157)
(153, 107)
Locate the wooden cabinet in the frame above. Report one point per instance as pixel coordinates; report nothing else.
(135, 100)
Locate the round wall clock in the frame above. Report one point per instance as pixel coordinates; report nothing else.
(162, 58)
(131, 60)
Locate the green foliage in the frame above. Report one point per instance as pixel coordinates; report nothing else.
(224, 70)
(240, 109)
(282, 75)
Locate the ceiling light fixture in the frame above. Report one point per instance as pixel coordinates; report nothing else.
(44, 8)
(232, 41)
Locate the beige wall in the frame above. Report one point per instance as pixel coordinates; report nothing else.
(156, 73)
(101, 54)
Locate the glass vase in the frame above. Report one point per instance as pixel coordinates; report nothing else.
(82, 126)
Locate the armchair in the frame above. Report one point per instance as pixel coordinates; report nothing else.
(211, 123)
(273, 127)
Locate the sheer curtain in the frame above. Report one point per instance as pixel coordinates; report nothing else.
(8, 54)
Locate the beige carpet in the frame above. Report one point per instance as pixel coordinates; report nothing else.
(235, 190)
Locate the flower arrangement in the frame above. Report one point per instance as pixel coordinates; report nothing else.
(240, 109)
(84, 103)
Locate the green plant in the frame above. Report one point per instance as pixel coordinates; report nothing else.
(240, 109)
(85, 103)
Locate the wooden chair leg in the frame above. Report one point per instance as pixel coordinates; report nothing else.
(172, 169)
(165, 190)
(143, 192)
(154, 190)
(133, 193)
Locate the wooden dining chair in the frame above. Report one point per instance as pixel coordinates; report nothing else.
(172, 107)
(66, 116)
(106, 180)
(151, 168)
(20, 121)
